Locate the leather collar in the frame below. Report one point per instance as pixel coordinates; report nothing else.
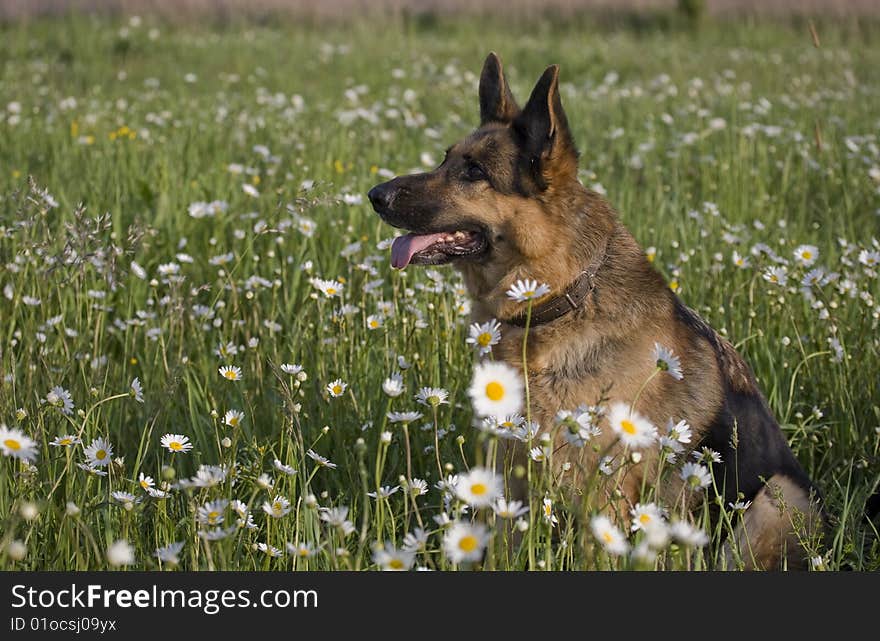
(569, 301)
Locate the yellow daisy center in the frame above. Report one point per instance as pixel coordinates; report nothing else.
(230, 374)
(529, 293)
(337, 389)
(65, 441)
(606, 536)
(303, 553)
(233, 421)
(212, 516)
(331, 291)
(807, 255)
(478, 489)
(101, 455)
(12, 444)
(145, 485)
(395, 564)
(468, 543)
(484, 339)
(645, 518)
(276, 506)
(495, 391)
(628, 427)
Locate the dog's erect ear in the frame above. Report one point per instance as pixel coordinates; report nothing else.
(543, 132)
(497, 104)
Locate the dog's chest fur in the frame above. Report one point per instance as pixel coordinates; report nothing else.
(583, 359)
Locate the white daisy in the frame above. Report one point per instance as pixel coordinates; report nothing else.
(389, 558)
(168, 554)
(329, 288)
(417, 487)
(432, 396)
(120, 553)
(393, 385)
(403, 417)
(523, 290)
(337, 388)
(375, 321)
(99, 453)
(776, 275)
(483, 336)
(91, 469)
(233, 418)
(687, 534)
(696, 476)
(496, 389)
(269, 550)
(338, 518)
(176, 443)
(137, 390)
(547, 510)
(645, 516)
(740, 261)
(509, 509)
(285, 469)
(292, 369)
(302, 550)
(60, 398)
(126, 499)
(706, 455)
(611, 538)
(740, 506)
(539, 454)
(667, 361)
(384, 492)
(479, 487)
(869, 258)
(465, 542)
(577, 427)
(212, 512)
(277, 507)
(415, 540)
(320, 460)
(231, 373)
(633, 430)
(146, 482)
(806, 255)
(15, 444)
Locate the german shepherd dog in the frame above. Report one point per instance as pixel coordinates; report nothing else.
(506, 204)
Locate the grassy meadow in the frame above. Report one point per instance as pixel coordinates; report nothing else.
(181, 199)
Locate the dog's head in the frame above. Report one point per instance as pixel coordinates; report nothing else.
(495, 198)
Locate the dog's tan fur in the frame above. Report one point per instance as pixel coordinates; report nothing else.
(545, 225)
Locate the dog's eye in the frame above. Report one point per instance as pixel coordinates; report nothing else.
(473, 172)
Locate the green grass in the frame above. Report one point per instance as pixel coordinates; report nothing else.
(142, 143)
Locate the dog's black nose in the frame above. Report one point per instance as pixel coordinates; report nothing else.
(381, 196)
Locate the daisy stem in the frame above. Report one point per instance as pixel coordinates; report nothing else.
(632, 406)
(408, 453)
(525, 364)
(79, 436)
(437, 444)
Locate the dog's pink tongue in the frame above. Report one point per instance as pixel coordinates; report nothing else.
(405, 247)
